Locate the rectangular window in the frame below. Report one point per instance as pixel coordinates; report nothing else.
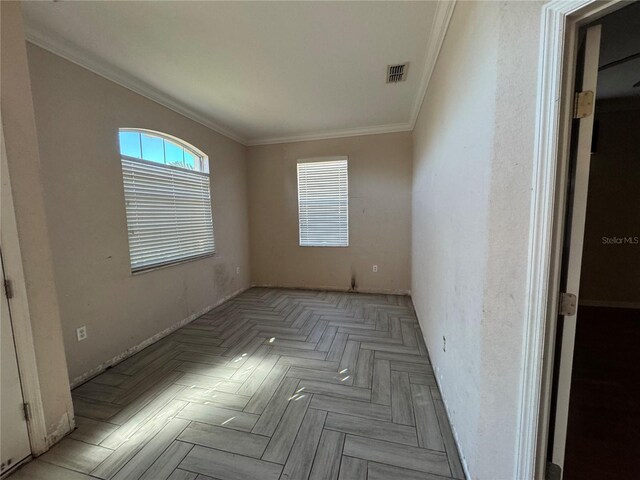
(323, 203)
(168, 205)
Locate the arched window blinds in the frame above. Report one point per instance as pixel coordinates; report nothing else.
(168, 199)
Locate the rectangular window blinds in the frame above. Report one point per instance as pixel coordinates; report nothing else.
(323, 203)
(168, 213)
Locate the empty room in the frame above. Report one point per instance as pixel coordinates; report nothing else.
(320, 240)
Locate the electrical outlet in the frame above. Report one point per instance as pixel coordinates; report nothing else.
(444, 344)
(237, 270)
(81, 333)
(375, 269)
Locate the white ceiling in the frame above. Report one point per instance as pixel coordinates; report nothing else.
(259, 72)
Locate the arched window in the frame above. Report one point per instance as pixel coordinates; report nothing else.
(168, 199)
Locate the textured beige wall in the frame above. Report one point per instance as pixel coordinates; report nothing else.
(31, 260)
(379, 216)
(473, 160)
(451, 171)
(78, 115)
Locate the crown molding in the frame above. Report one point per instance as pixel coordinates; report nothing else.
(439, 27)
(328, 134)
(124, 79)
(441, 19)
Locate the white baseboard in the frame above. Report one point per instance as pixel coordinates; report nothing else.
(325, 288)
(153, 339)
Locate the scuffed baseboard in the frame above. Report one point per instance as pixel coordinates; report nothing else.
(325, 288)
(145, 343)
(66, 425)
(7, 473)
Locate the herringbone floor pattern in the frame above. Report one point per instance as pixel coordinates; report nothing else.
(274, 384)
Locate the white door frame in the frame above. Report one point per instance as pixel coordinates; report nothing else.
(20, 317)
(560, 23)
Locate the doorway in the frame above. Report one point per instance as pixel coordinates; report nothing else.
(595, 409)
(14, 441)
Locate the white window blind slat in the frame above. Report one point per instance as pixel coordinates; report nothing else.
(168, 213)
(323, 203)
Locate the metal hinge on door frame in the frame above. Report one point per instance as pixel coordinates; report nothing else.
(27, 411)
(567, 304)
(583, 104)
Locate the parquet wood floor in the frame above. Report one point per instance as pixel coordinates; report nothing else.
(274, 384)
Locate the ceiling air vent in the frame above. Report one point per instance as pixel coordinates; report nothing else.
(397, 73)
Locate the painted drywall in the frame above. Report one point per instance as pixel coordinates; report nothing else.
(27, 253)
(379, 216)
(78, 115)
(611, 255)
(473, 158)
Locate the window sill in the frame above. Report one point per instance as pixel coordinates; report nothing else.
(153, 268)
(323, 246)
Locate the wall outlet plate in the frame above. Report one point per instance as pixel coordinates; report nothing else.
(81, 333)
(375, 269)
(237, 270)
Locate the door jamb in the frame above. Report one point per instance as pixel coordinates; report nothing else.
(560, 23)
(20, 317)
